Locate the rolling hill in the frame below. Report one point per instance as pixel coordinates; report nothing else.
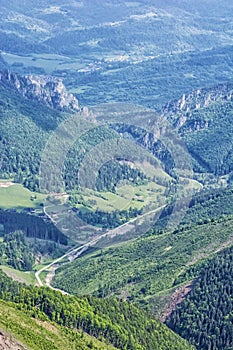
(78, 322)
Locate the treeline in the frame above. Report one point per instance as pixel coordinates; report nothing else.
(32, 225)
(205, 206)
(108, 219)
(123, 325)
(21, 252)
(26, 237)
(205, 318)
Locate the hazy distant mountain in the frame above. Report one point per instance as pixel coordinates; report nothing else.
(145, 52)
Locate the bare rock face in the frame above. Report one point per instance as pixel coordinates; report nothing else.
(45, 89)
(179, 111)
(180, 114)
(7, 342)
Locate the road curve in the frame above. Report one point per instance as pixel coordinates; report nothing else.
(78, 250)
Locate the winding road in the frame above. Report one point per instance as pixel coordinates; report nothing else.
(75, 252)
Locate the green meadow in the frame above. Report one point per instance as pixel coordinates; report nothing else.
(18, 197)
(20, 276)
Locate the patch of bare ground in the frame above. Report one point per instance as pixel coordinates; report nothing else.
(180, 293)
(4, 184)
(48, 326)
(208, 250)
(125, 293)
(51, 274)
(176, 298)
(7, 342)
(224, 245)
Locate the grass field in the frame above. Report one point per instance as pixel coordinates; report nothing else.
(17, 197)
(47, 62)
(20, 276)
(150, 195)
(126, 196)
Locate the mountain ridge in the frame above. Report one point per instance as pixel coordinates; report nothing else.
(44, 89)
(179, 110)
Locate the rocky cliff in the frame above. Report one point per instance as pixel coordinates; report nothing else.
(187, 120)
(45, 89)
(7, 342)
(178, 112)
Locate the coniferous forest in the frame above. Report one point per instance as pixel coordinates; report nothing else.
(119, 323)
(205, 317)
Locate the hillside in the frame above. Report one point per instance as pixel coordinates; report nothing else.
(144, 268)
(205, 318)
(39, 110)
(111, 321)
(30, 109)
(203, 117)
(198, 118)
(16, 328)
(116, 175)
(23, 119)
(19, 331)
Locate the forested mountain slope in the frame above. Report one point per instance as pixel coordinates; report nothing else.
(26, 239)
(205, 318)
(21, 120)
(201, 118)
(27, 118)
(204, 121)
(20, 331)
(121, 324)
(145, 267)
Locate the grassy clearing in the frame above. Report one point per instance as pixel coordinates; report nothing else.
(126, 196)
(194, 185)
(151, 171)
(20, 276)
(17, 197)
(150, 194)
(45, 262)
(47, 62)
